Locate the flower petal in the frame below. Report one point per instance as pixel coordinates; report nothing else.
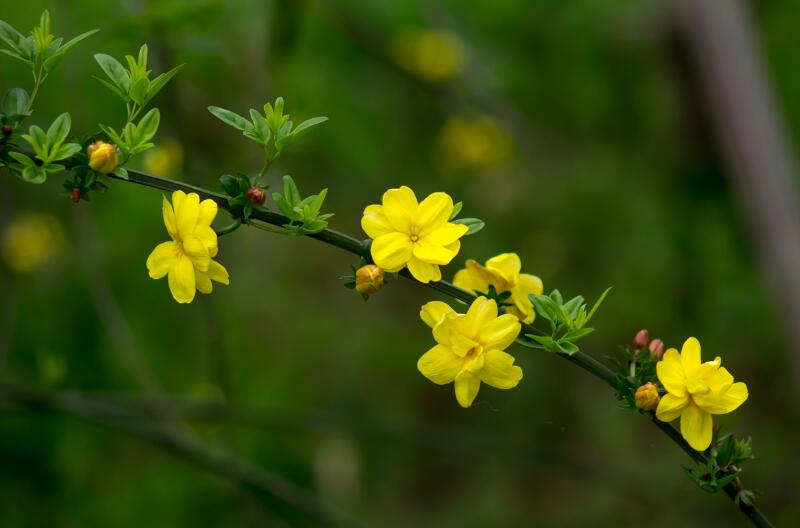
(181, 280)
(499, 370)
(399, 206)
(169, 218)
(439, 365)
(468, 279)
(218, 273)
(722, 401)
(433, 312)
(481, 311)
(374, 222)
(500, 333)
(696, 427)
(507, 265)
(670, 373)
(186, 215)
(690, 356)
(433, 254)
(424, 271)
(467, 385)
(208, 211)
(208, 237)
(392, 251)
(671, 406)
(444, 234)
(197, 251)
(202, 282)
(162, 258)
(433, 212)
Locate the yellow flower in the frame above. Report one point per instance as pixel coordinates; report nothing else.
(103, 157)
(469, 348)
(31, 241)
(417, 235)
(502, 272)
(695, 391)
(187, 258)
(472, 143)
(433, 55)
(165, 159)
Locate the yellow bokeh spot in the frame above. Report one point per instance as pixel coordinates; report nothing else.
(433, 55)
(31, 241)
(164, 160)
(472, 143)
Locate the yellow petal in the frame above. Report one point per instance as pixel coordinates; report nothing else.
(506, 265)
(499, 370)
(499, 333)
(218, 273)
(186, 215)
(209, 238)
(399, 206)
(181, 280)
(467, 385)
(722, 401)
(208, 211)
(424, 271)
(202, 282)
(161, 259)
(690, 356)
(433, 312)
(444, 234)
(392, 251)
(481, 311)
(196, 251)
(670, 373)
(468, 279)
(439, 365)
(671, 406)
(433, 254)
(169, 218)
(696, 427)
(719, 379)
(177, 200)
(526, 285)
(374, 222)
(433, 212)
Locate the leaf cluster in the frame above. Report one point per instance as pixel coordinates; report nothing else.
(48, 147)
(633, 369)
(236, 187)
(135, 138)
(722, 466)
(303, 213)
(567, 321)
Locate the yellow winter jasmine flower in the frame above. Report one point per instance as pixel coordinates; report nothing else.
(187, 258)
(408, 233)
(469, 348)
(502, 272)
(695, 391)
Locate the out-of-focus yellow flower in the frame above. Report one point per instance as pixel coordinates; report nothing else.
(502, 272)
(695, 391)
(103, 157)
(470, 348)
(647, 397)
(187, 259)
(31, 241)
(434, 55)
(165, 159)
(472, 143)
(408, 233)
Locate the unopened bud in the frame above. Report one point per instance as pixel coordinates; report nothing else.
(75, 195)
(256, 195)
(369, 279)
(7, 130)
(641, 339)
(656, 347)
(647, 397)
(103, 157)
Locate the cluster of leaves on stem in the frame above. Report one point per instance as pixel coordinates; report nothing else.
(721, 468)
(303, 213)
(567, 321)
(48, 147)
(238, 188)
(633, 369)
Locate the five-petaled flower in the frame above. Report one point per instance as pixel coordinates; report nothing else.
(187, 259)
(414, 234)
(695, 391)
(470, 348)
(503, 273)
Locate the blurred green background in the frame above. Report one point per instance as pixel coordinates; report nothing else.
(567, 126)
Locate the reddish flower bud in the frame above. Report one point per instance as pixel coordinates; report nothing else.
(75, 195)
(369, 279)
(656, 347)
(647, 397)
(8, 130)
(256, 195)
(641, 339)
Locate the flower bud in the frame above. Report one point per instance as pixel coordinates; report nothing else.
(641, 339)
(102, 157)
(7, 130)
(647, 397)
(75, 195)
(256, 195)
(656, 348)
(369, 279)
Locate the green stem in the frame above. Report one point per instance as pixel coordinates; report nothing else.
(38, 79)
(229, 229)
(361, 248)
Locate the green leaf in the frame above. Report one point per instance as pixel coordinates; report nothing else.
(456, 209)
(112, 135)
(148, 126)
(290, 191)
(22, 158)
(230, 185)
(120, 172)
(112, 87)
(474, 224)
(567, 347)
(573, 305)
(576, 334)
(53, 167)
(285, 207)
(726, 449)
(66, 151)
(58, 131)
(18, 56)
(52, 61)
(159, 82)
(10, 36)
(597, 304)
(34, 174)
(15, 102)
(544, 306)
(230, 118)
(115, 71)
(139, 90)
(262, 132)
(308, 123)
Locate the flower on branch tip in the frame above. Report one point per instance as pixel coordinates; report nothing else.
(695, 391)
(103, 157)
(414, 234)
(503, 274)
(470, 348)
(187, 258)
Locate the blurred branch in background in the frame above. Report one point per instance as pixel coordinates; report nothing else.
(719, 38)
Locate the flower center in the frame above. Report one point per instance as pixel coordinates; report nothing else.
(414, 237)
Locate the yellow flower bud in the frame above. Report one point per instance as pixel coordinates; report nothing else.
(647, 397)
(369, 279)
(102, 156)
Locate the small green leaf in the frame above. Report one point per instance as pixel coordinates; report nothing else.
(15, 102)
(148, 126)
(66, 151)
(139, 90)
(576, 334)
(290, 191)
(473, 224)
(22, 158)
(112, 87)
(597, 304)
(58, 131)
(284, 206)
(230, 118)
(120, 172)
(308, 123)
(230, 185)
(115, 71)
(456, 209)
(159, 82)
(34, 174)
